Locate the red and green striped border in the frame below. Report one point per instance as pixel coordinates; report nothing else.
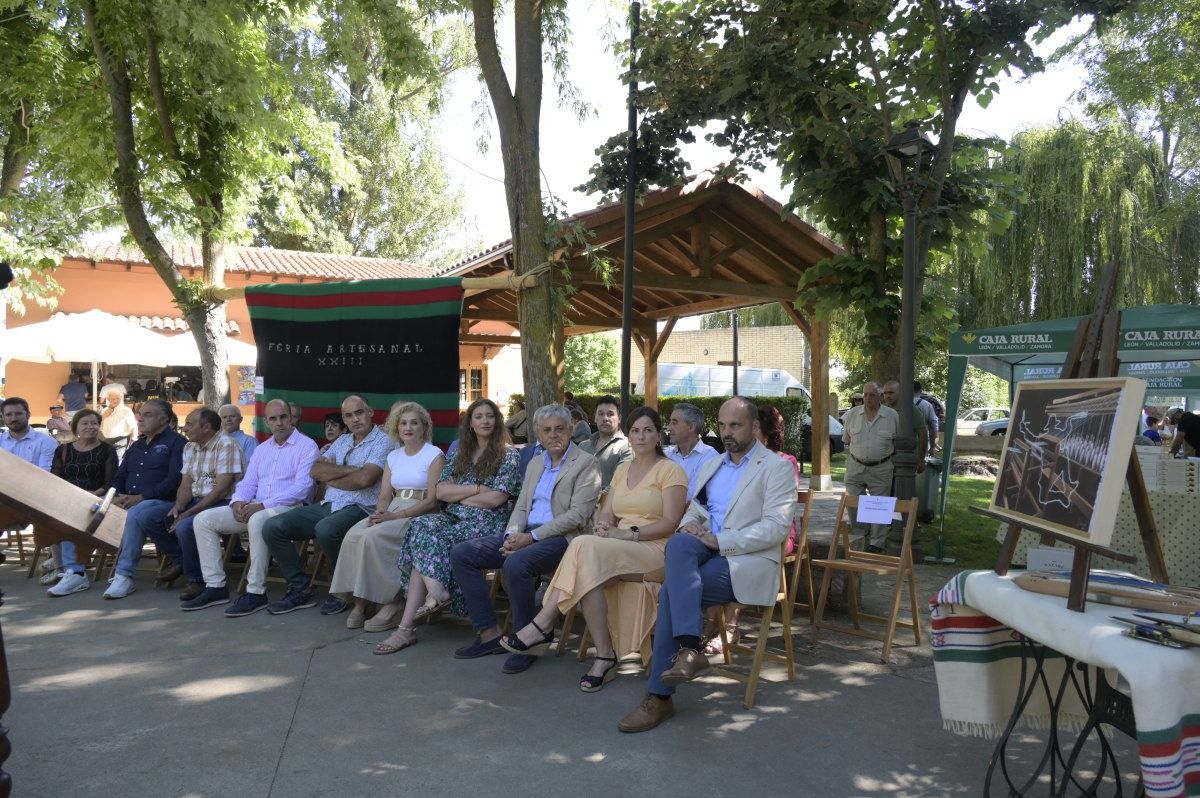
(366, 299)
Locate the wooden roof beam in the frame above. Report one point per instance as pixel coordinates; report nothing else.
(797, 319)
(488, 340)
(689, 285)
(708, 306)
(771, 261)
(606, 322)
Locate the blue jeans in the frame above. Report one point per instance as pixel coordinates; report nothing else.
(146, 519)
(521, 571)
(696, 577)
(67, 561)
(187, 542)
(304, 523)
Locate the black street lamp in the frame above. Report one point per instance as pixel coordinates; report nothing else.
(635, 15)
(909, 157)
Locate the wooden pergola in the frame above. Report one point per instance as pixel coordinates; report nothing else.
(708, 246)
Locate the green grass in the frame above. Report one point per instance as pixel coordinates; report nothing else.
(970, 538)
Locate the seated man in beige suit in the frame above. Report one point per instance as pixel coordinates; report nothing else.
(557, 499)
(727, 549)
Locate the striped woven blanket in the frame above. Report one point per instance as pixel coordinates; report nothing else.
(381, 339)
(977, 658)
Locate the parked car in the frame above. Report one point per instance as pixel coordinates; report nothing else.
(997, 427)
(967, 423)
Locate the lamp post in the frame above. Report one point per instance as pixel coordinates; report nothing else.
(635, 14)
(909, 155)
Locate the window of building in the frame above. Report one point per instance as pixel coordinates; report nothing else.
(476, 384)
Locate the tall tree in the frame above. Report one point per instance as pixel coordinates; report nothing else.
(380, 188)
(1089, 196)
(52, 187)
(1142, 70)
(195, 111)
(591, 363)
(820, 88)
(518, 106)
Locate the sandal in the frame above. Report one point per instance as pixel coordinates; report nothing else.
(592, 684)
(428, 612)
(402, 638)
(377, 624)
(515, 645)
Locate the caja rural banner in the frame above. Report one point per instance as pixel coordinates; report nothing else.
(384, 340)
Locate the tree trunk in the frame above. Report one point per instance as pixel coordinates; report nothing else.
(16, 150)
(207, 324)
(518, 113)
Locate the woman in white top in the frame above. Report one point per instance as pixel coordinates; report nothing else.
(366, 566)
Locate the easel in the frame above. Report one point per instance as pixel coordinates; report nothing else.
(1093, 353)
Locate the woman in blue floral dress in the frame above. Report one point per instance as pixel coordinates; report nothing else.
(476, 485)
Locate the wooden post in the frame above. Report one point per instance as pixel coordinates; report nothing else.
(647, 340)
(818, 344)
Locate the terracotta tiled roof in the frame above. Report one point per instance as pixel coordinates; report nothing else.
(177, 323)
(281, 262)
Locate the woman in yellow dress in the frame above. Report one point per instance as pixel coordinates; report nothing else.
(644, 505)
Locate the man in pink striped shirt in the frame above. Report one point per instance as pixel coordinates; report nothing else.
(277, 479)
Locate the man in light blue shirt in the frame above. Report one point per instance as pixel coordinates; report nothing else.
(687, 424)
(557, 499)
(231, 425)
(20, 439)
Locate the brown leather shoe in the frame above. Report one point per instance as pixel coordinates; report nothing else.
(191, 591)
(169, 575)
(687, 665)
(648, 714)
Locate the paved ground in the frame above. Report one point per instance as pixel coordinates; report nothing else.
(136, 698)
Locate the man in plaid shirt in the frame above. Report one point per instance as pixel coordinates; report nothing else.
(212, 464)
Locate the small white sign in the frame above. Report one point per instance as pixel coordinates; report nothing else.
(258, 385)
(876, 509)
(1049, 558)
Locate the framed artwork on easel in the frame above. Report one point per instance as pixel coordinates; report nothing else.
(1066, 454)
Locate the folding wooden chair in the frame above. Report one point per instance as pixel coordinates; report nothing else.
(857, 563)
(801, 559)
(232, 542)
(625, 583)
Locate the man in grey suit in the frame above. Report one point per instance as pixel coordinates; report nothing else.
(727, 549)
(557, 499)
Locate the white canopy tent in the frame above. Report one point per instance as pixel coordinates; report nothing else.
(98, 337)
(182, 351)
(92, 337)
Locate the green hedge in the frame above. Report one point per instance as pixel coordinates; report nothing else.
(793, 409)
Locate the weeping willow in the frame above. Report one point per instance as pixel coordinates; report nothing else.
(1090, 196)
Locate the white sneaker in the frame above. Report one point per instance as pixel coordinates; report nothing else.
(51, 577)
(71, 582)
(121, 587)
(49, 564)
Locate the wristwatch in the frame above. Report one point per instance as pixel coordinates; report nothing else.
(637, 533)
